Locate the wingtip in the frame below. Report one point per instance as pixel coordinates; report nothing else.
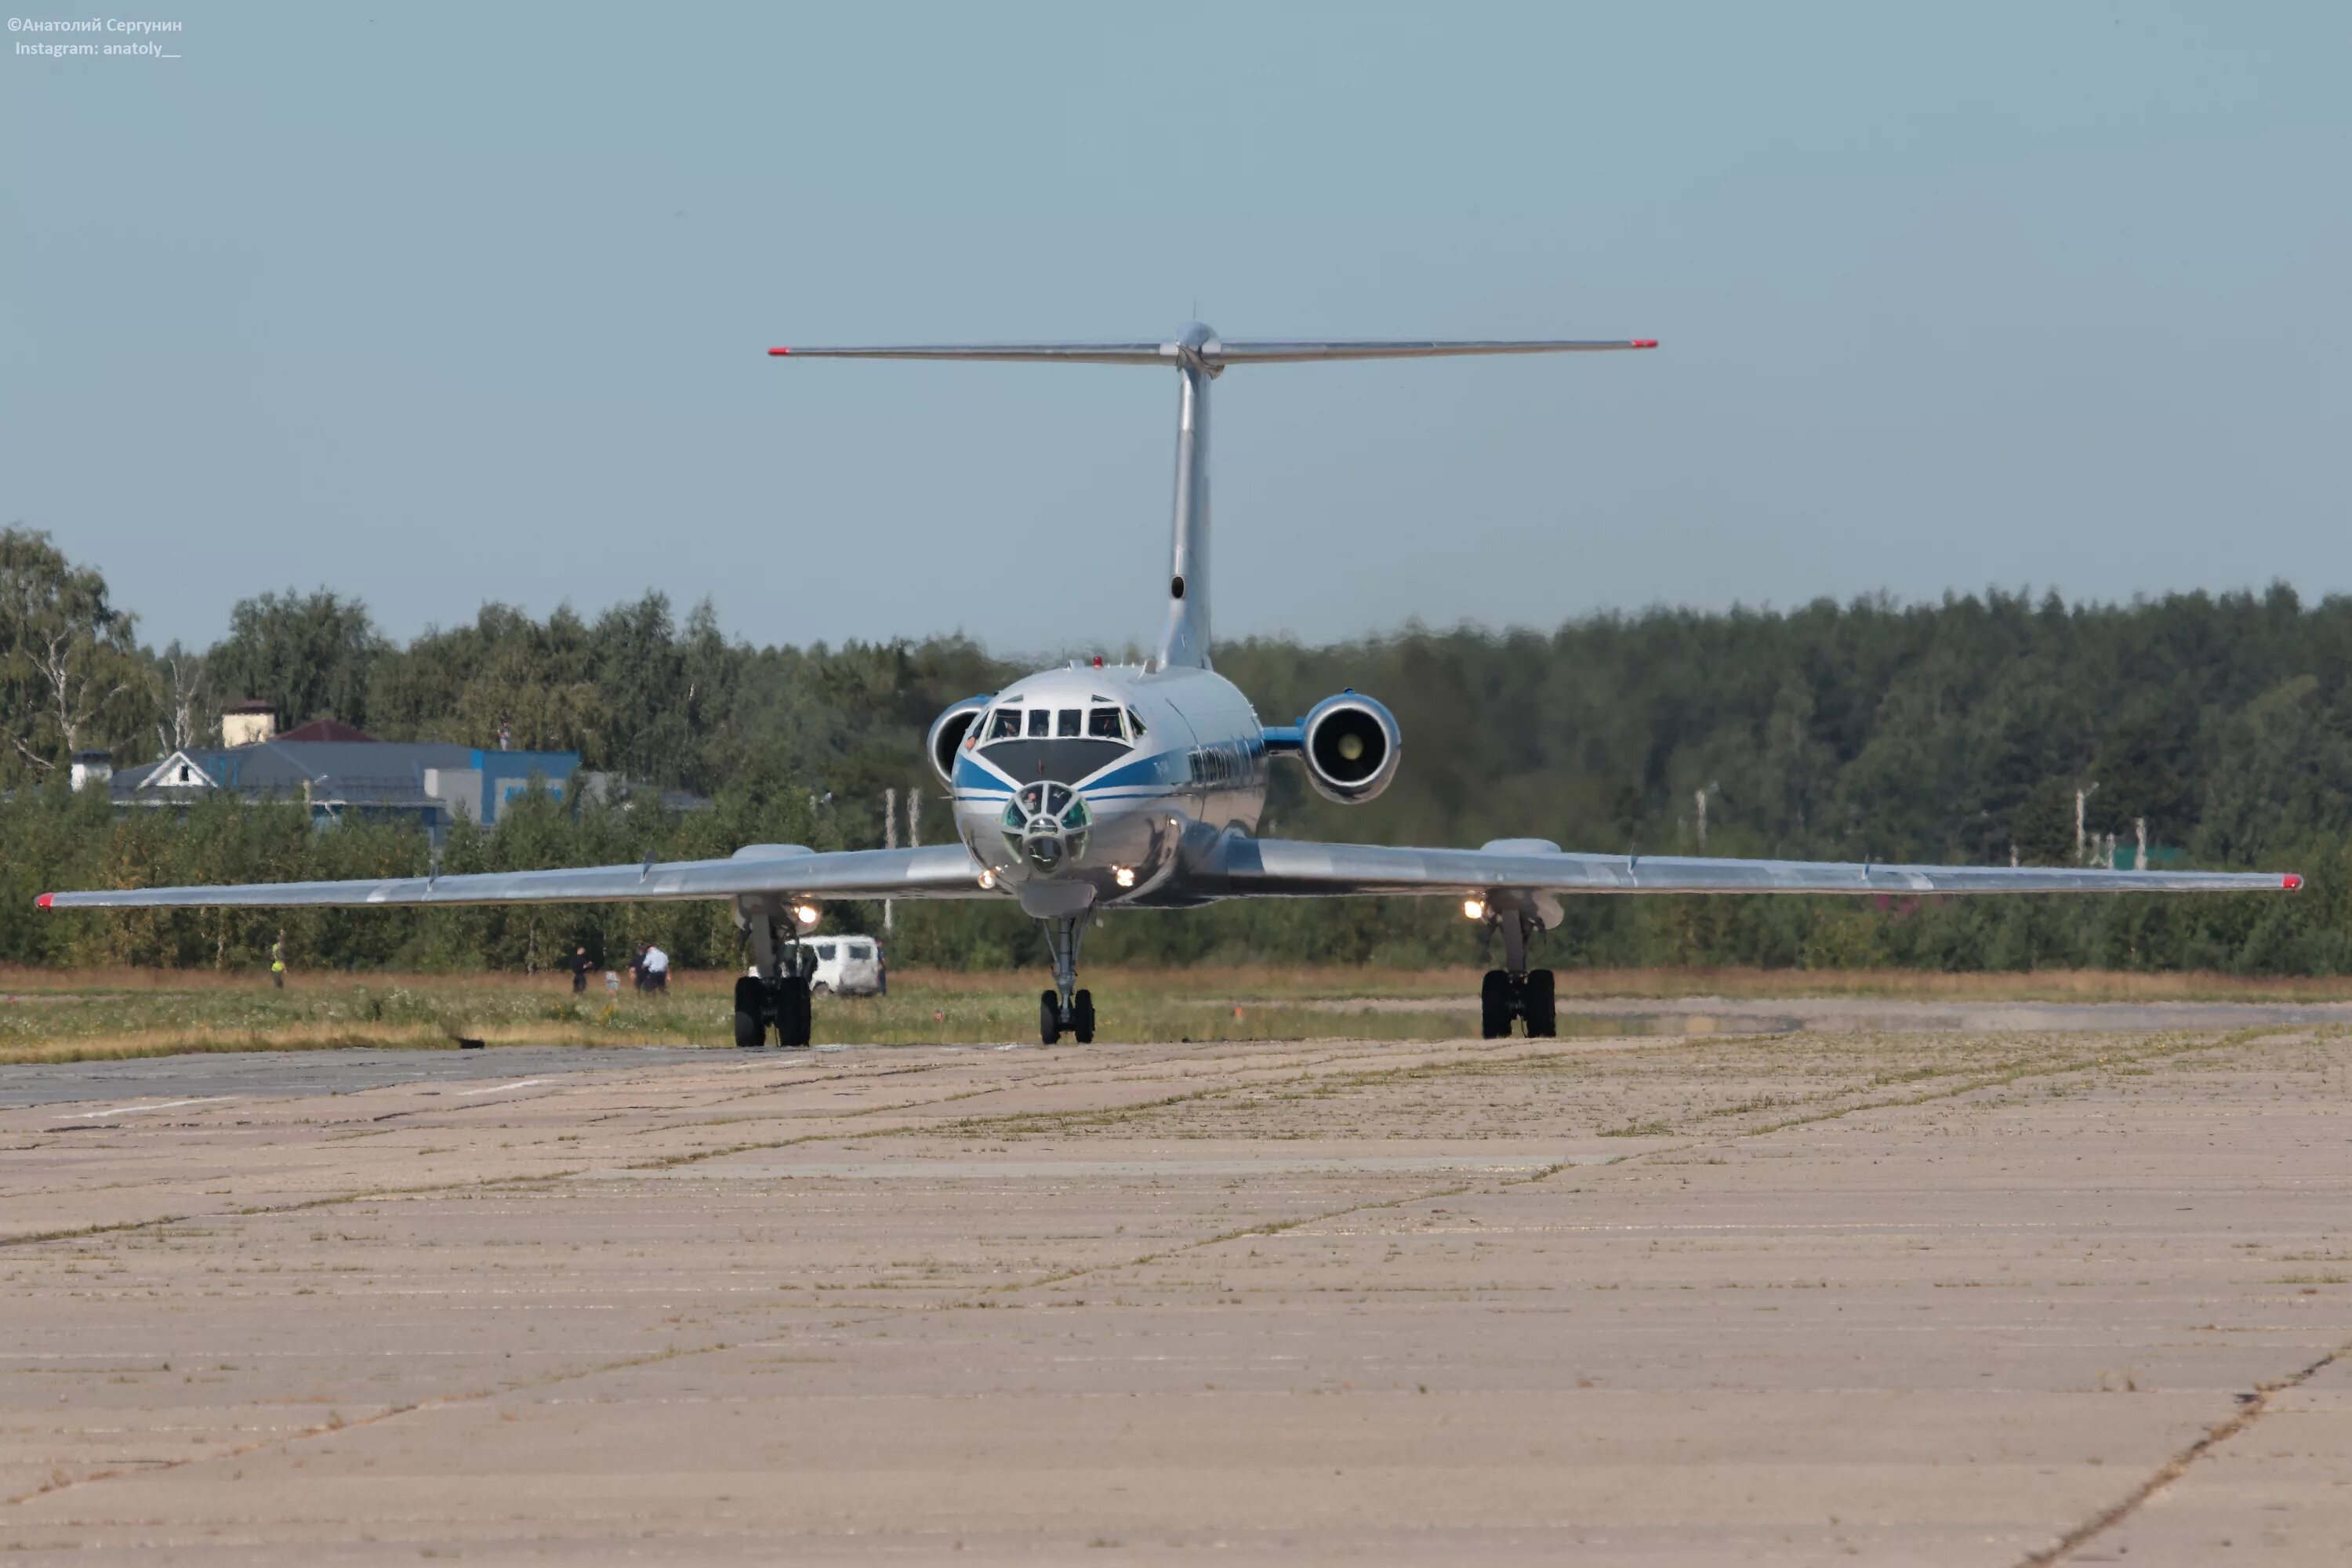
(2291, 882)
(1645, 343)
(42, 901)
(778, 353)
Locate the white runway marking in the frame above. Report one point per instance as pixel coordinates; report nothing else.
(166, 1105)
(501, 1088)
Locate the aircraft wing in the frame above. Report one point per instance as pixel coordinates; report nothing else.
(1279, 867)
(937, 871)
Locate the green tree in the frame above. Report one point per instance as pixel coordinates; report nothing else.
(71, 675)
(309, 655)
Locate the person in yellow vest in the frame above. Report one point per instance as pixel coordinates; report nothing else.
(277, 962)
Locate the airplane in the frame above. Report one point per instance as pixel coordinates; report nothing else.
(1094, 786)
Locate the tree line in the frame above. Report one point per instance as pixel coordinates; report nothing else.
(1961, 729)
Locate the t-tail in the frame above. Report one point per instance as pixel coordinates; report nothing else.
(1199, 355)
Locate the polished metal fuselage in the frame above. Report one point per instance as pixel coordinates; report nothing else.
(1196, 771)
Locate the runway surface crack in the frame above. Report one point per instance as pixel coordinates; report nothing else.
(2251, 1407)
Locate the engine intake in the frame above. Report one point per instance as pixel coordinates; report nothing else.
(1350, 745)
(948, 732)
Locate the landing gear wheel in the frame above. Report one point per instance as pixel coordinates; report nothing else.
(1543, 1021)
(1082, 1018)
(793, 1020)
(750, 1010)
(1049, 1017)
(1495, 1006)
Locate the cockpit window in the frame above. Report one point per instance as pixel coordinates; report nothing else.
(1135, 723)
(1041, 721)
(1006, 725)
(1065, 723)
(1102, 724)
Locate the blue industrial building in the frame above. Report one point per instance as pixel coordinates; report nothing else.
(350, 774)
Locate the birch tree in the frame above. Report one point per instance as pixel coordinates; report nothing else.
(70, 675)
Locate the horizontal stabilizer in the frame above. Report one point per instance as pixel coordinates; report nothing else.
(1074, 354)
(1280, 352)
(1216, 353)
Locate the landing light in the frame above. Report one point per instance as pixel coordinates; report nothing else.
(987, 877)
(804, 913)
(1123, 875)
(1474, 909)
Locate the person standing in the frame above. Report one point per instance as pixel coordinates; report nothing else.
(656, 965)
(580, 968)
(277, 962)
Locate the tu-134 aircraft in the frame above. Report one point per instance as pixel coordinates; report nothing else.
(1092, 787)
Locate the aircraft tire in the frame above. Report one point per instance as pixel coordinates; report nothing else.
(750, 1025)
(793, 1018)
(1541, 1014)
(1495, 1006)
(1082, 1018)
(1049, 1018)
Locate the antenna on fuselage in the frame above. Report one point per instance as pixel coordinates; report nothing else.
(1199, 356)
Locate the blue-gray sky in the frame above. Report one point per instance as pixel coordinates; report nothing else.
(432, 305)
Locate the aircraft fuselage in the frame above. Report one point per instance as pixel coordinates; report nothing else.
(1080, 788)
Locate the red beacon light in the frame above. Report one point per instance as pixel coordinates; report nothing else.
(1097, 661)
(2291, 882)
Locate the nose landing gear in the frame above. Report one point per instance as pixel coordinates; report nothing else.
(1065, 1010)
(1516, 991)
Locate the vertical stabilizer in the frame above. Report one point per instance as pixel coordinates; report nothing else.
(1185, 638)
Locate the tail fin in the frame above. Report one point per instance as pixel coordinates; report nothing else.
(1202, 356)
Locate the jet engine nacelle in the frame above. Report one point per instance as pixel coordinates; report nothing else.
(1350, 745)
(948, 732)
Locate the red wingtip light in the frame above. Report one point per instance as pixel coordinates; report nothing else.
(778, 353)
(42, 901)
(2290, 881)
(1645, 343)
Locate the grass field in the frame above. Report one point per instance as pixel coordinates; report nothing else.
(66, 1016)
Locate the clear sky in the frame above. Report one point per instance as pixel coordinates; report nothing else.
(439, 305)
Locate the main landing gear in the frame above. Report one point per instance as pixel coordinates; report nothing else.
(1065, 1009)
(1516, 991)
(777, 997)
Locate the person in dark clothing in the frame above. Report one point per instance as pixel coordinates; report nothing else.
(580, 968)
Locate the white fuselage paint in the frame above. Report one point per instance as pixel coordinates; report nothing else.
(1195, 770)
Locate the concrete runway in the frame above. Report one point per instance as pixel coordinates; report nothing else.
(1947, 1297)
(221, 1075)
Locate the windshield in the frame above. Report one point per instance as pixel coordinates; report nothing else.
(1028, 740)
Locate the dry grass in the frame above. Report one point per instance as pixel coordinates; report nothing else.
(1278, 983)
(50, 1016)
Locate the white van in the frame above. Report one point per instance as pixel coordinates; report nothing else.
(844, 965)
